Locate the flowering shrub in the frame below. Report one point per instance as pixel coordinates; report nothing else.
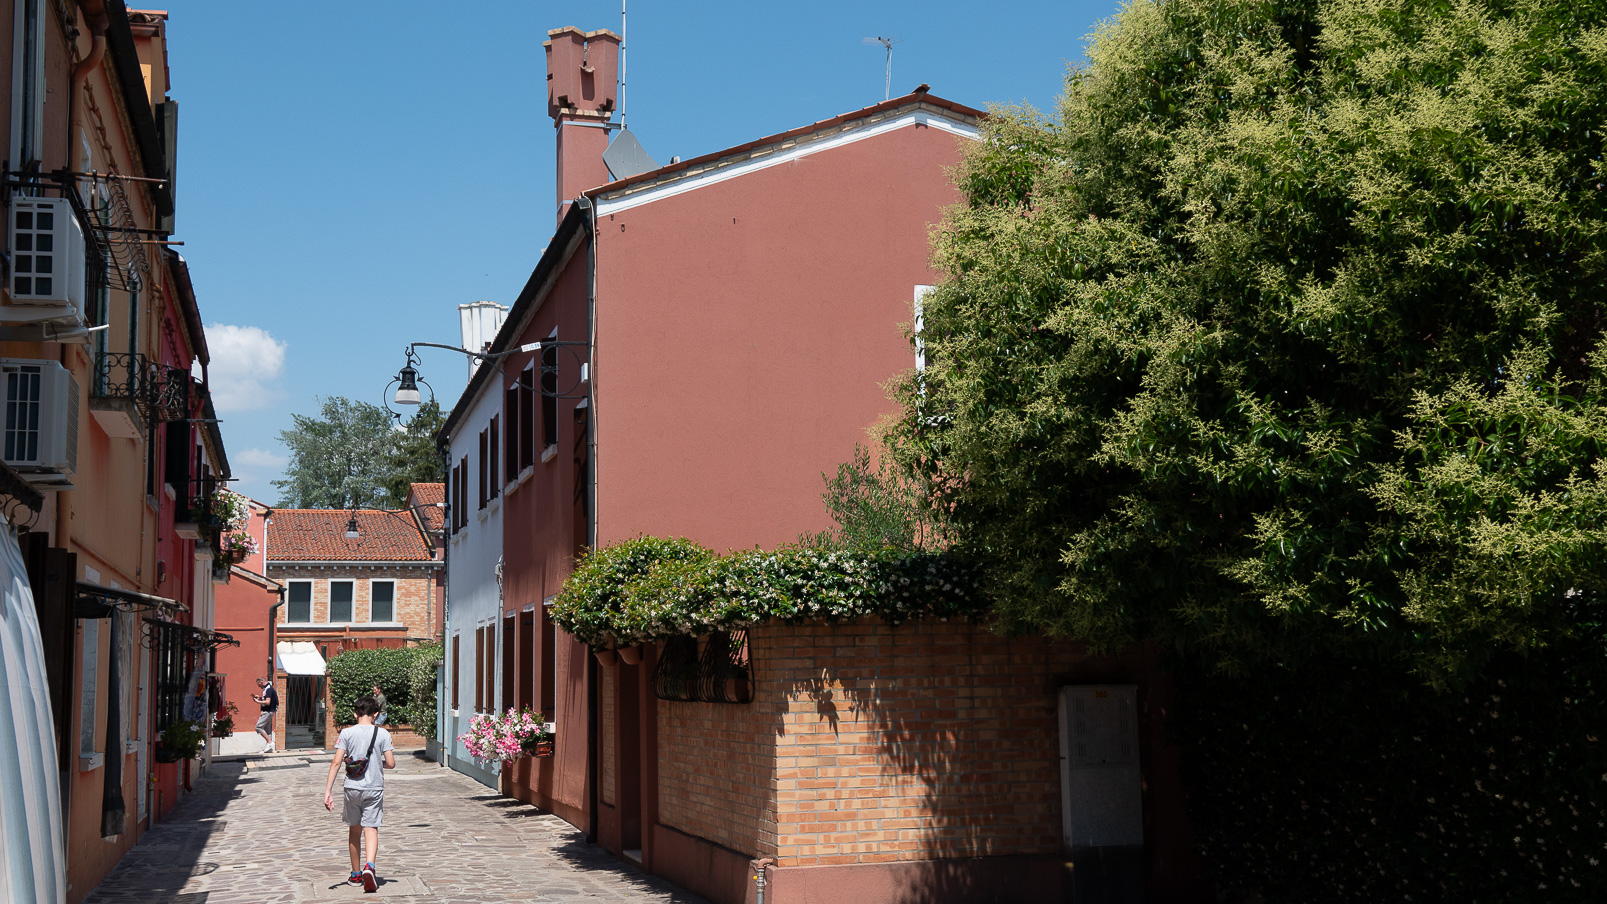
(229, 509)
(651, 588)
(505, 737)
(237, 546)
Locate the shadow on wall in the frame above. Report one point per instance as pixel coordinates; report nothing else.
(965, 739)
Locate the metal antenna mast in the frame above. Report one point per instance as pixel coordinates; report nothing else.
(622, 64)
(887, 89)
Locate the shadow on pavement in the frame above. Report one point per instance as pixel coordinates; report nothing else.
(168, 854)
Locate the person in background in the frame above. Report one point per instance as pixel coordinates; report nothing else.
(379, 701)
(268, 699)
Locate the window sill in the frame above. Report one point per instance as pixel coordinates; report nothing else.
(91, 762)
(549, 453)
(523, 476)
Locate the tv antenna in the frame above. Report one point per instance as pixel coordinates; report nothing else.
(621, 64)
(887, 89)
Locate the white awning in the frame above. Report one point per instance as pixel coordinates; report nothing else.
(300, 657)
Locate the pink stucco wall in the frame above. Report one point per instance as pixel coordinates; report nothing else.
(745, 331)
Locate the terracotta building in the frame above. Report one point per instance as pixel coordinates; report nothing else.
(379, 588)
(698, 344)
(100, 333)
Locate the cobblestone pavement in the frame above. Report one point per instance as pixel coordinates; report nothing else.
(257, 833)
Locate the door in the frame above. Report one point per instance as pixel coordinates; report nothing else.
(303, 726)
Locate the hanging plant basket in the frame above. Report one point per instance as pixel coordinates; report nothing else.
(605, 658)
(630, 655)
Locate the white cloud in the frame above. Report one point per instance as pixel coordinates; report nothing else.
(261, 458)
(246, 362)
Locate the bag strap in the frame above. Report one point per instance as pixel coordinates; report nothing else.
(371, 739)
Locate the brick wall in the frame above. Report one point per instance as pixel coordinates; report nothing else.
(871, 744)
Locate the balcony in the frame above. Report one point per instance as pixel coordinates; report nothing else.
(130, 392)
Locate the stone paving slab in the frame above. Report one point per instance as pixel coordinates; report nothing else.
(255, 833)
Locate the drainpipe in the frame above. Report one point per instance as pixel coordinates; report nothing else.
(592, 677)
(273, 634)
(96, 19)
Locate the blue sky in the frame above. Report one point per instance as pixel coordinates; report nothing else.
(349, 173)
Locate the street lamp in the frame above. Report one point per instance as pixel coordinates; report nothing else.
(351, 528)
(352, 533)
(407, 379)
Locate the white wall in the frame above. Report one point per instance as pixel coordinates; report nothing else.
(474, 598)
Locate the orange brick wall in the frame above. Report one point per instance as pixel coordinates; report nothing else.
(870, 744)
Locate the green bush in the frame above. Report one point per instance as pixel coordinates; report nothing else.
(650, 589)
(1342, 782)
(355, 673)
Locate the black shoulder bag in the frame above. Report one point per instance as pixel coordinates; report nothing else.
(357, 768)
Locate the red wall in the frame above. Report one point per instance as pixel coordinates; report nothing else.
(242, 613)
(745, 330)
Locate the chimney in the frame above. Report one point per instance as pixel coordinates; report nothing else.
(582, 70)
(480, 322)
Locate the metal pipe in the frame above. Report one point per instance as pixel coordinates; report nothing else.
(759, 880)
(96, 18)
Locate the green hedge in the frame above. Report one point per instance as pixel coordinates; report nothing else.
(394, 669)
(1357, 783)
(653, 588)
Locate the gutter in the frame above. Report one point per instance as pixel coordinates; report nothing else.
(136, 101)
(593, 683)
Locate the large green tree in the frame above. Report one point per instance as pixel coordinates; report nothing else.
(352, 455)
(1285, 332)
(414, 456)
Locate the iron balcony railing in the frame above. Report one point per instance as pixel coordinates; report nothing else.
(158, 392)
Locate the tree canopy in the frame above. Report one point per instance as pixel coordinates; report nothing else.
(352, 456)
(1285, 332)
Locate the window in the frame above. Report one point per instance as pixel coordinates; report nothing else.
(509, 660)
(549, 659)
(493, 466)
(340, 601)
(298, 605)
(485, 454)
(510, 433)
(549, 394)
(171, 676)
(527, 659)
(456, 659)
(89, 689)
(463, 492)
(920, 341)
(452, 501)
(527, 418)
(491, 667)
(382, 601)
(479, 670)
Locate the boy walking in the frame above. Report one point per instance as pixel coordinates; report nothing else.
(267, 698)
(360, 753)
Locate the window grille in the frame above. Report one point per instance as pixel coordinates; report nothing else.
(715, 669)
(170, 674)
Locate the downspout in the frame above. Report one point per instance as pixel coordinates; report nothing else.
(442, 735)
(592, 678)
(96, 19)
(273, 633)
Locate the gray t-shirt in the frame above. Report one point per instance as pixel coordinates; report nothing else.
(354, 742)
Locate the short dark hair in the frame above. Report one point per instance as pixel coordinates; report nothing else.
(365, 706)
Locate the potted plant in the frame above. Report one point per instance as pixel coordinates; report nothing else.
(181, 741)
(223, 725)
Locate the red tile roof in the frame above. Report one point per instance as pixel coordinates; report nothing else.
(429, 499)
(318, 535)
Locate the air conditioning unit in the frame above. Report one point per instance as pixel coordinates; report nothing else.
(47, 253)
(39, 430)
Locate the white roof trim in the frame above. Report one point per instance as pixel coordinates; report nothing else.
(716, 173)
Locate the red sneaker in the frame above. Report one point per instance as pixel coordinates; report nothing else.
(370, 881)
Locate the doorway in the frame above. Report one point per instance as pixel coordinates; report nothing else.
(304, 712)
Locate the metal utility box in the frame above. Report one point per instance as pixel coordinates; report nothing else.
(1101, 791)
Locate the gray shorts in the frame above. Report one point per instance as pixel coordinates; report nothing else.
(265, 722)
(364, 808)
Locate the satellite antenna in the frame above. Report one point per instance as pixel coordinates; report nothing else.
(887, 89)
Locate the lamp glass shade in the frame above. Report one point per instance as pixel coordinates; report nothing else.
(407, 392)
(351, 529)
